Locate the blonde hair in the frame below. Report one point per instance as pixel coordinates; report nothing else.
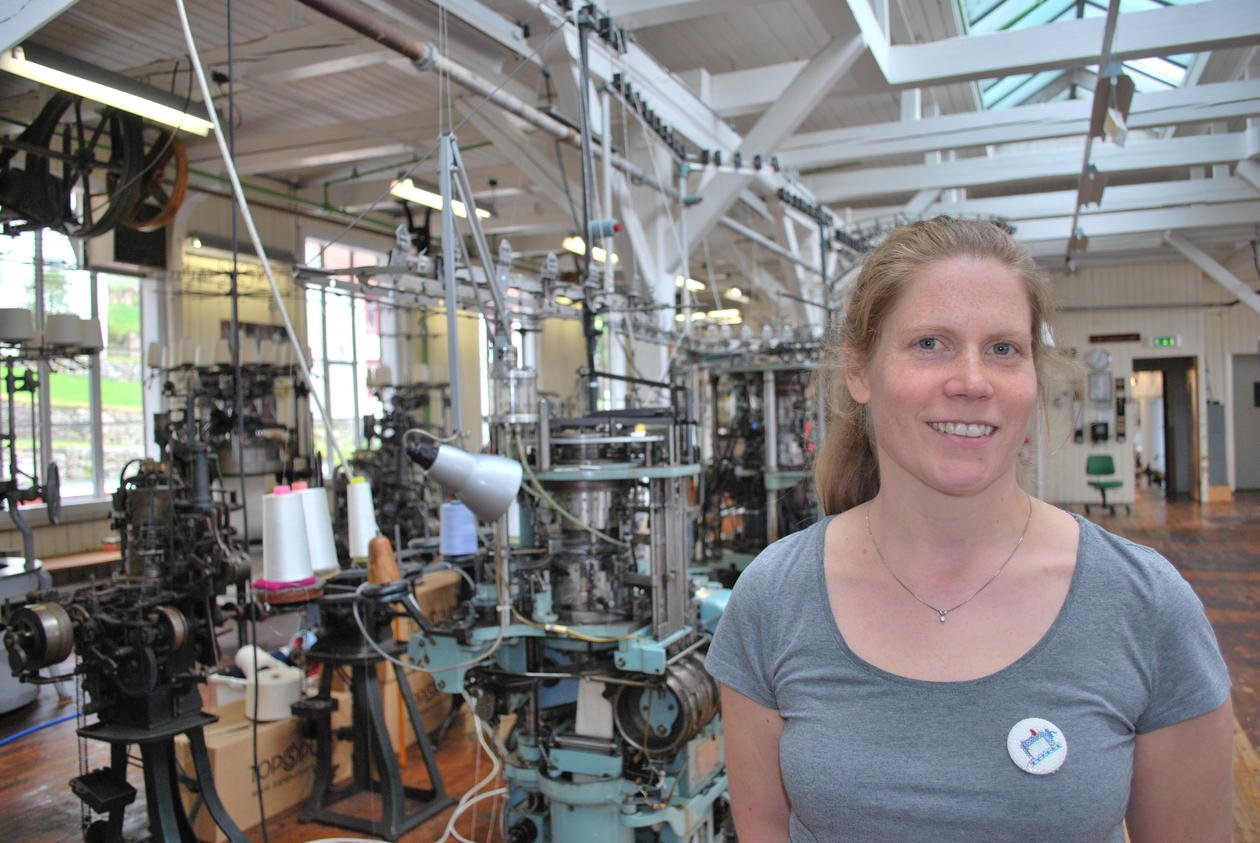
(846, 470)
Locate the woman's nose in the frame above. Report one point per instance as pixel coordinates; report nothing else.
(970, 378)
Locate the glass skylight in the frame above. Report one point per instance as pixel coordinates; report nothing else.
(985, 16)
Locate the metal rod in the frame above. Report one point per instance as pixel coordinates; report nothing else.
(765, 242)
(450, 249)
(1109, 33)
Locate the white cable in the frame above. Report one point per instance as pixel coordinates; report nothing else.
(248, 216)
(468, 799)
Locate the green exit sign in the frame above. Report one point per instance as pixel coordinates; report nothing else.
(1166, 342)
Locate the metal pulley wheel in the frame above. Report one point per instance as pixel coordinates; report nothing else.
(663, 717)
(174, 626)
(163, 183)
(69, 163)
(40, 635)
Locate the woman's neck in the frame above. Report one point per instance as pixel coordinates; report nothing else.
(949, 530)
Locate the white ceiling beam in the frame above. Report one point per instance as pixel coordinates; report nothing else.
(513, 137)
(300, 66)
(639, 14)
(1203, 104)
(812, 84)
(1001, 169)
(1249, 171)
(1213, 270)
(874, 28)
(1140, 222)
(1128, 197)
(663, 92)
(751, 91)
(28, 18)
(1215, 25)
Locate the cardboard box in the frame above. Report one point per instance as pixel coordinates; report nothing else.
(286, 763)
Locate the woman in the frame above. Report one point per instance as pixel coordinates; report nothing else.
(948, 658)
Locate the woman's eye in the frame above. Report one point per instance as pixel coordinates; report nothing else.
(1003, 349)
(929, 343)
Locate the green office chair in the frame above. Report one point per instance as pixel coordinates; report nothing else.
(1103, 467)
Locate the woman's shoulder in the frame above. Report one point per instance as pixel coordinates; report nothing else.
(1124, 566)
(792, 560)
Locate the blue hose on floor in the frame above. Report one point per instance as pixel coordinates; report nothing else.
(11, 738)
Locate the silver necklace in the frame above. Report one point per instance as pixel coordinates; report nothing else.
(943, 612)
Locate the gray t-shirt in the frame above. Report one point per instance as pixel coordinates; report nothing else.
(868, 755)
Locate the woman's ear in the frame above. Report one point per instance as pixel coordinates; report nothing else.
(855, 376)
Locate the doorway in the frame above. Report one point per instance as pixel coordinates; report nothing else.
(1180, 423)
(1147, 394)
(1246, 421)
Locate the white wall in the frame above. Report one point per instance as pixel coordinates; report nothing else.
(1151, 299)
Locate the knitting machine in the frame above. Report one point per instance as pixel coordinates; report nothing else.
(146, 637)
(581, 645)
(406, 506)
(256, 418)
(763, 420)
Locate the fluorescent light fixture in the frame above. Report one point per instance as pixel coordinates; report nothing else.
(736, 294)
(726, 316)
(113, 89)
(577, 246)
(692, 284)
(406, 189)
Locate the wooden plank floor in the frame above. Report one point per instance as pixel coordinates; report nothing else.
(1216, 547)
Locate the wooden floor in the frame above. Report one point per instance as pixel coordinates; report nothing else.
(1216, 546)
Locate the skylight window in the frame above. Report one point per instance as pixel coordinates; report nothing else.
(985, 16)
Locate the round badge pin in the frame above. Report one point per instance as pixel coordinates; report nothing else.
(1037, 746)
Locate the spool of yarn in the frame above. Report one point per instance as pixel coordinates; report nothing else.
(61, 329)
(384, 376)
(249, 352)
(458, 525)
(153, 356)
(361, 515)
(16, 324)
(319, 531)
(222, 353)
(286, 553)
(189, 352)
(90, 335)
(272, 688)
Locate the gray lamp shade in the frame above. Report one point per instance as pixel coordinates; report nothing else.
(487, 484)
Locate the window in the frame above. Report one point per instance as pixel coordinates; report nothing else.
(88, 416)
(343, 326)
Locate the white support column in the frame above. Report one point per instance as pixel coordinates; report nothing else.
(1213, 270)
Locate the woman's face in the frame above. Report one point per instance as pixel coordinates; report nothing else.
(952, 383)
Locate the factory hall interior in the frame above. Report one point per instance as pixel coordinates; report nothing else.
(417, 416)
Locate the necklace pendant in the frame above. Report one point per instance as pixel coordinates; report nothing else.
(943, 616)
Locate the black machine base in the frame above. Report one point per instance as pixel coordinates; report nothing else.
(106, 790)
(375, 767)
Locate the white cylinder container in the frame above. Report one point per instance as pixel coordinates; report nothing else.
(16, 324)
(458, 529)
(61, 329)
(319, 531)
(362, 517)
(286, 553)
